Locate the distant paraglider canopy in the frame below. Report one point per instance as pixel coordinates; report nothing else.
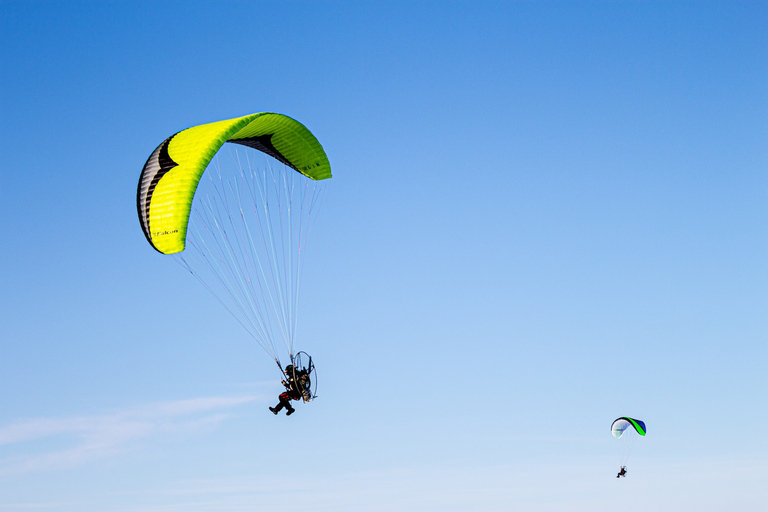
(622, 424)
(242, 230)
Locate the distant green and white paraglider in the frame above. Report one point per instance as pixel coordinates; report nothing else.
(626, 431)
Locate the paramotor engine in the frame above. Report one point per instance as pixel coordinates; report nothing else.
(302, 372)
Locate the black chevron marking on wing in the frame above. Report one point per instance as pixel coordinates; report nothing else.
(264, 144)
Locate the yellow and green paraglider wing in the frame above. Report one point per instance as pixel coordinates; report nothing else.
(169, 179)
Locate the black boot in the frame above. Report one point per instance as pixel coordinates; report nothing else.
(274, 411)
(290, 411)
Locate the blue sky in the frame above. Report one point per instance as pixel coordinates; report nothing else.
(543, 216)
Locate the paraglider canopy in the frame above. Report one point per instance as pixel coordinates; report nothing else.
(170, 176)
(621, 424)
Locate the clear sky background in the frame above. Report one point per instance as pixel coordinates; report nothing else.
(543, 216)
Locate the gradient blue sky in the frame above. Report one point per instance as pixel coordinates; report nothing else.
(543, 216)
